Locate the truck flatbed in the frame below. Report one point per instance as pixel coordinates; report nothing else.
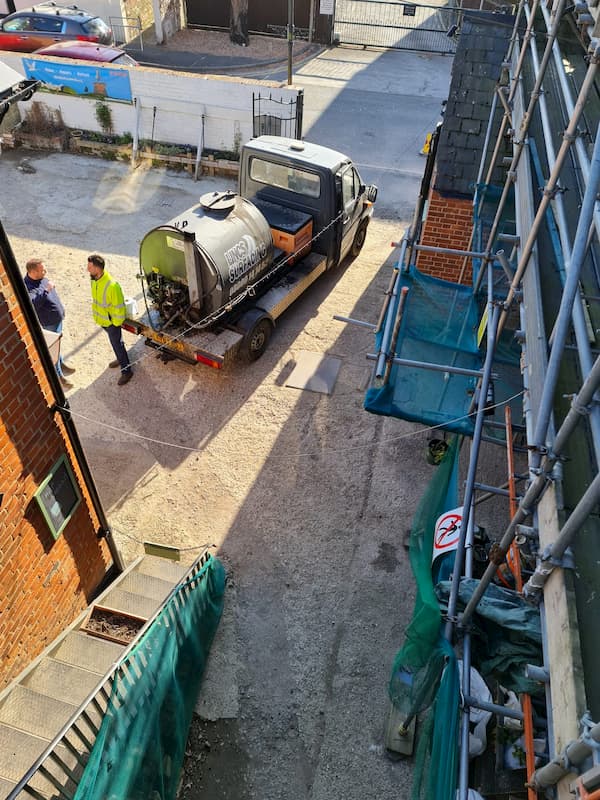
(217, 346)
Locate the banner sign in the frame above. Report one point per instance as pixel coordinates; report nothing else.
(76, 79)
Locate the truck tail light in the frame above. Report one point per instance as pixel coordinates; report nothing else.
(131, 327)
(210, 362)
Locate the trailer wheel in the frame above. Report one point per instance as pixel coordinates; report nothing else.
(257, 339)
(359, 239)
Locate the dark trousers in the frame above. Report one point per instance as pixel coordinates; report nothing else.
(116, 339)
(57, 328)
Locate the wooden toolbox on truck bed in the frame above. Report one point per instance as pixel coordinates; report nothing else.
(291, 229)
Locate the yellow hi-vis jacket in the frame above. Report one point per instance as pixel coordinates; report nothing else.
(108, 303)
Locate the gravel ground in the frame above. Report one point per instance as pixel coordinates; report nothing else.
(262, 48)
(304, 496)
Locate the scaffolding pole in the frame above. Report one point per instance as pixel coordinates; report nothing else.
(569, 302)
(569, 136)
(579, 409)
(525, 123)
(584, 351)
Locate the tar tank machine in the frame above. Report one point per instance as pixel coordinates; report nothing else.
(201, 261)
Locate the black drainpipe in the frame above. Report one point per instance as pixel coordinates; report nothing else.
(61, 403)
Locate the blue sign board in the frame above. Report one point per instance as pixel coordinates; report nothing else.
(79, 80)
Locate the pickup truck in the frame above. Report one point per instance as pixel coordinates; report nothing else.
(216, 277)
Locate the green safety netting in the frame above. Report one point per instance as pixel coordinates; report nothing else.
(485, 206)
(140, 747)
(424, 673)
(439, 325)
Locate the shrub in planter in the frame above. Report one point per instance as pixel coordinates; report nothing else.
(43, 127)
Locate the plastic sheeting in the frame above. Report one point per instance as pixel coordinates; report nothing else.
(140, 747)
(439, 325)
(506, 635)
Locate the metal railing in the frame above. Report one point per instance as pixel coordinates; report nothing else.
(63, 761)
(126, 30)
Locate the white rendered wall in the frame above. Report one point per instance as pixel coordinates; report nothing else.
(181, 99)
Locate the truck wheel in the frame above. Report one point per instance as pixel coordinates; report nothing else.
(359, 239)
(257, 339)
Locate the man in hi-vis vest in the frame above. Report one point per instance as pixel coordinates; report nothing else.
(108, 309)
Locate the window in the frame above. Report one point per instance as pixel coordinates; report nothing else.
(96, 27)
(293, 179)
(349, 187)
(18, 24)
(58, 496)
(47, 24)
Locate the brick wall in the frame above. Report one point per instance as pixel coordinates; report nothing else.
(44, 583)
(448, 224)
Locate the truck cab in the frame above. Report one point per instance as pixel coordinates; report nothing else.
(313, 179)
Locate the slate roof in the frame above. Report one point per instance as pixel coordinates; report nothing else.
(481, 49)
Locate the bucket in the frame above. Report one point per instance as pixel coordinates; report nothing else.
(130, 307)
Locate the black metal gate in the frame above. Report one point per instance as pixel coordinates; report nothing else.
(264, 16)
(405, 26)
(277, 117)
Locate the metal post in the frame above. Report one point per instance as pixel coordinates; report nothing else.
(470, 482)
(569, 137)
(550, 559)
(577, 410)
(568, 299)
(579, 323)
(522, 134)
(407, 362)
(389, 323)
(290, 38)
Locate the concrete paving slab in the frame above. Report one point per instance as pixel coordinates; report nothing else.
(314, 372)
(135, 604)
(162, 568)
(19, 750)
(146, 585)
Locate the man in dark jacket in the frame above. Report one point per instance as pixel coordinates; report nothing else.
(48, 307)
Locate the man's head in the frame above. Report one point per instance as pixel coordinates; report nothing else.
(35, 269)
(95, 266)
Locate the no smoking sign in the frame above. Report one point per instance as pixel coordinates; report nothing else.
(447, 532)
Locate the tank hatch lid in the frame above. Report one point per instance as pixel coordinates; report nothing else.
(218, 201)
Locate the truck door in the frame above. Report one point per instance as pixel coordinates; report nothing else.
(352, 207)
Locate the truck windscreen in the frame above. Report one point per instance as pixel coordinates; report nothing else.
(293, 179)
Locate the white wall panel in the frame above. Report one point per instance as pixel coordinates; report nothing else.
(181, 99)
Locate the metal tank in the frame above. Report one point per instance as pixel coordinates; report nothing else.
(205, 257)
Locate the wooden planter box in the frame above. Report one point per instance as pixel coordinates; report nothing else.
(124, 152)
(36, 141)
(112, 625)
(121, 152)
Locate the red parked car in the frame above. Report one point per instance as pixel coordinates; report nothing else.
(49, 23)
(88, 51)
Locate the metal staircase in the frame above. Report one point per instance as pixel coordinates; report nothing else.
(51, 714)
